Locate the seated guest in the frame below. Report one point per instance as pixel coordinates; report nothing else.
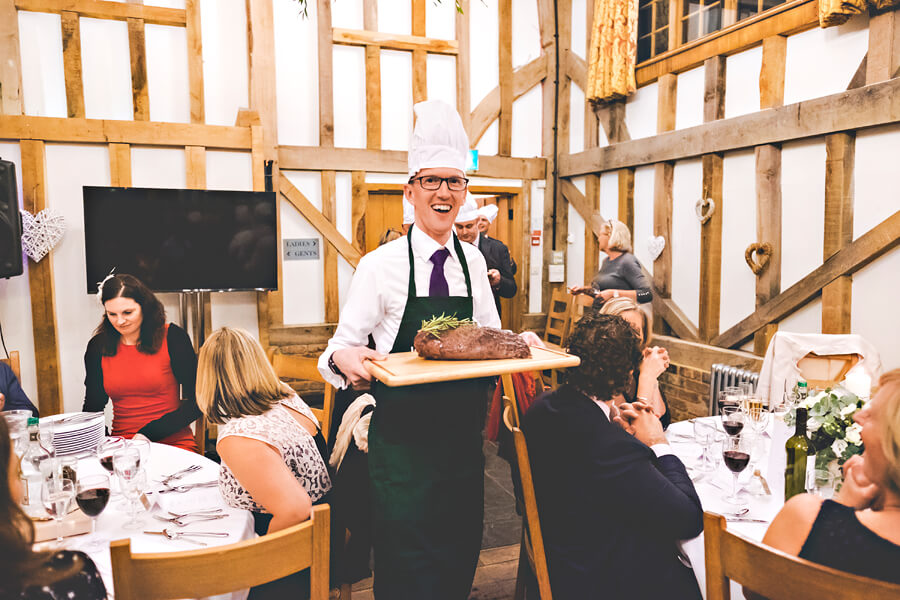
(24, 573)
(138, 360)
(271, 463)
(858, 531)
(613, 500)
(644, 385)
(620, 275)
(12, 396)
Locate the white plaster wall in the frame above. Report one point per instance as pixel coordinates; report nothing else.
(526, 119)
(876, 163)
(440, 20)
(640, 112)
(536, 261)
(575, 246)
(347, 14)
(580, 27)
(483, 46)
(742, 82)
(40, 49)
(396, 99)
(576, 119)
(441, 76)
(874, 306)
(609, 195)
(106, 69)
(806, 320)
(489, 142)
(226, 75)
(820, 62)
(296, 79)
(643, 214)
(738, 210)
(304, 300)
(687, 186)
(689, 98)
(526, 38)
(167, 73)
(349, 96)
(802, 209)
(395, 17)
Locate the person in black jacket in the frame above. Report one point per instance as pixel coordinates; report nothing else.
(501, 268)
(613, 500)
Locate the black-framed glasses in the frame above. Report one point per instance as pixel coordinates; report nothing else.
(432, 183)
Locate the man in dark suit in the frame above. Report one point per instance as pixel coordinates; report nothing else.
(613, 500)
(501, 268)
(12, 396)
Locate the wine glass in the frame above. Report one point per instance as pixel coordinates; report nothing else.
(92, 496)
(57, 496)
(820, 482)
(143, 447)
(106, 448)
(132, 480)
(704, 433)
(757, 410)
(732, 420)
(730, 396)
(736, 454)
(47, 430)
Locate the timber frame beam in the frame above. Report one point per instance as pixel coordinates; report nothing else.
(862, 108)
(102, 9)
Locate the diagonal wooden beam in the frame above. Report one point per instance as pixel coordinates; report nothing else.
(880, 239)
(488, 110)
(318, 220)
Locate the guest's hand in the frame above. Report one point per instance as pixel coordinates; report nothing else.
(532, 339)
(638, 419)
(656, 361)
(858, 490)
(350, 362)
(140, 437)
(2, 401)
(493, 277)
(580, 289)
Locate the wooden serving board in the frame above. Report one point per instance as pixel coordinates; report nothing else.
(408, 368)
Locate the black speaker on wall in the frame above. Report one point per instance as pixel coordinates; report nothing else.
(10, 222)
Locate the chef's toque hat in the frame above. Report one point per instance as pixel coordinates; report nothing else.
(489, 212)
(468, 212)
(439, 139)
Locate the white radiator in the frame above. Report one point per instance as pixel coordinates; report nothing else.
(723, 376)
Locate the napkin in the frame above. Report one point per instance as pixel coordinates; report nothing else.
(195, 499)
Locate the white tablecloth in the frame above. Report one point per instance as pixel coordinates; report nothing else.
(767, 455)
(165, 460)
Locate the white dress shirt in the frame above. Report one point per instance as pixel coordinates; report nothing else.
(658, 449)
(378, 294)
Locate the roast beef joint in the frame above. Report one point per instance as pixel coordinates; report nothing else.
(446, 338)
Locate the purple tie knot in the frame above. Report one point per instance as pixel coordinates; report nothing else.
(438, 284)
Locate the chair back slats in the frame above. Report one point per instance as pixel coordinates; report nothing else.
(293, 366)
(223, 569)
(13, 362)
(776, 575)
(533, 541)
(558, 315)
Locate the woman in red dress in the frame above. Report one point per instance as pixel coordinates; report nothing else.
(139, 361)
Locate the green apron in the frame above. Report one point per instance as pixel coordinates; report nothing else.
(426, 469)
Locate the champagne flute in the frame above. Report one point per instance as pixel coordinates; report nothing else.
(57, 496)
(92, 496)
(736, 454)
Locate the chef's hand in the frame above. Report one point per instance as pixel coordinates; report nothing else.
(532, 339)
(493, 277)
(350, 362)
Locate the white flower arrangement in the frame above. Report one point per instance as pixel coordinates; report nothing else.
(830, 426)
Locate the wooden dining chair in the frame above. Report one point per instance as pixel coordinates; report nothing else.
(294, 366)
(223, 569)
(776, 575)
(13, 362)
(558, 315)
(531, 550)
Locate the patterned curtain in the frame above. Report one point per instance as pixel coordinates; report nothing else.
(613, 50)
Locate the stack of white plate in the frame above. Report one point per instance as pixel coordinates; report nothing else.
(74, 433)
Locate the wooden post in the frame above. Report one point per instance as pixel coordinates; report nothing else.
(195, 60)
(883, 59)
(329, 253)
(546, 19)
(836, 296)
(419, 57)
(768, 229)
(360, 199)
(711, 231)
(771, 75)
(120, 165)
(40, 282)
(626, 198)
(326, 75)
(373, 79)
(662, 191)
(11, 65)
(591, 182)
(463, 90)
(506, 77)
(138, 49)
(71, 43)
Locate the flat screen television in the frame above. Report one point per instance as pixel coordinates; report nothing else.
(181, 240)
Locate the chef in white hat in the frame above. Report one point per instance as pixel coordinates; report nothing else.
(467, 221)
(426, 466)
(486, 216)
(501, 267)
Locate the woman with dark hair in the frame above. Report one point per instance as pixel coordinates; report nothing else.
(138, 360)
(613, 499)
(24, 573)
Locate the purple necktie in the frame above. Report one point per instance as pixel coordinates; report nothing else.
(438, 286)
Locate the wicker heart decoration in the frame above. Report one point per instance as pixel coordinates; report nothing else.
(655, 246)
(704, 209)
(763, 253)
(41, 232)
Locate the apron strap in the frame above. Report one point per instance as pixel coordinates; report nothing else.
(411, 288)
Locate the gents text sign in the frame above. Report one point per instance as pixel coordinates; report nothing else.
(301, 249)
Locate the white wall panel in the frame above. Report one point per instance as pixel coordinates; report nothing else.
(440, 20)
(536, 266)
(396, 99)
(441, 76)
(526, 123)
(875, 165)
(576, 118)
(820, 62)
(687, 188)
(689, 98)
(580, 27)
(526, 33)
(394, 17)
(806, 320)
(742, 82)
(106, 69)
(167, 73)
(575, 249)
(296, 74)
(802, 209)
(640, 112)
(166, 3)
(43, 78)
(488, 144)
(304, 300)
(226, 76)
(609, 195)
(874, 306)
(349, 97)
(484, 49)
(643, 214)
(158, 167)
(738, 210)
(347, 14)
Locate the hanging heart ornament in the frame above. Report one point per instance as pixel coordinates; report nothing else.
(41, 232)
(763, 253)
(655, 246)
(705, 209)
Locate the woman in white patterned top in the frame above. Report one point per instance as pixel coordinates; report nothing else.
(271, 464)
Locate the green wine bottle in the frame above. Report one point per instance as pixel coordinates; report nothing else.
(797, 449)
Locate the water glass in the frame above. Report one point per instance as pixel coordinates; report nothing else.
(133, 487)
(820, 482)
(47, 430)
(736, 455)
(57, 496)
(143, 447)
(704, 433)
(757, 410)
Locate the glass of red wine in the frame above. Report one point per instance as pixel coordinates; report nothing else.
(732, 420)
(92, 496)
(736, 454)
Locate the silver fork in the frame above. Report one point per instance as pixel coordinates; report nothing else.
(180, 521)
(180, 474)
(195, 512)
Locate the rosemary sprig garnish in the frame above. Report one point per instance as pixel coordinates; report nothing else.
(438, 325)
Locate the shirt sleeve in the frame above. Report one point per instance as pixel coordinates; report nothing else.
(362, 311)
(632, 273)
(484, 310)
(16, 399)
(95, 396)
(184, 367)
(508, 287)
